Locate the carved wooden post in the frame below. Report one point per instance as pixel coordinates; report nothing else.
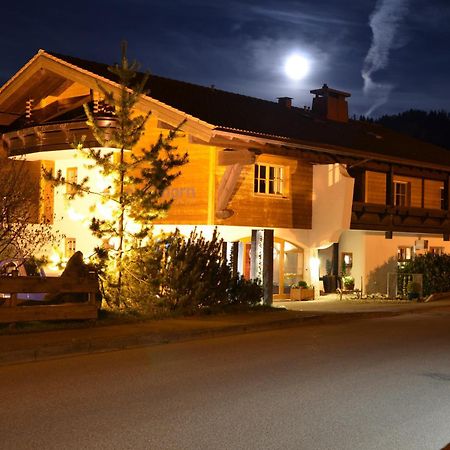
(261, 262)
(234, 258)
(268, 267)
(253, 255)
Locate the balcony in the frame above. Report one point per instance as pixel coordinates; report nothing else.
(371, 216)
(53, 136)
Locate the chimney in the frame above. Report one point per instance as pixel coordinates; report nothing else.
(286, 102)
(330, 104)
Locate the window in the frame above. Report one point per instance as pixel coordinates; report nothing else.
(71, 179)
(437, 250)
(269, 179)
(401, 193)
(404, 254)
(70, 249)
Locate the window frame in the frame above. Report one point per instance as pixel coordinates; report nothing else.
(277, 180)
(399, 195)
(403, 249)
(70, 247)
(71, 179)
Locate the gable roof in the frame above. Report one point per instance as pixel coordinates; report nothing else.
(235, 112)
(240, 114)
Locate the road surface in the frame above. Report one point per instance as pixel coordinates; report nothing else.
(366, 384)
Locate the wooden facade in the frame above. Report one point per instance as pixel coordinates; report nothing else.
(292, 209)
(424, 208)
(217, 185)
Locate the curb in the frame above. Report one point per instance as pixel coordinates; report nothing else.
(79, 347)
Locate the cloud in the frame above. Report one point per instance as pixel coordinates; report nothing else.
(301, 18)
(384, 22)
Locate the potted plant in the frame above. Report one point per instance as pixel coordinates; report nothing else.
(413, 289)
(349, 282)
(301, 291)
(329, 280)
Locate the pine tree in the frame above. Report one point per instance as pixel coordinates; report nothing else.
(138, 177)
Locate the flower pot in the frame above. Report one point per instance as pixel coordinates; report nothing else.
(302, 294)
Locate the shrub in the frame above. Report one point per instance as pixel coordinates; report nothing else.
(175, 274)
(245, 292)
(413, 287)
(300, 284)
(435, 270)
(349, 281)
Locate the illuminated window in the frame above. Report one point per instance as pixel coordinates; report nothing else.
(404, 254)
(347, 260)
(437, 250)
(70, 249)
(71, 179)
(401, 193)
(269, 179)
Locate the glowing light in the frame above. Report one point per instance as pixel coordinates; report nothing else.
(297, 67)
(105, 210)
(314, 264)
(102, 183)
(56, 262)
(75, 216)
(114, 242)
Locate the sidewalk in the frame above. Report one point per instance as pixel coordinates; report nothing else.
(35, 346)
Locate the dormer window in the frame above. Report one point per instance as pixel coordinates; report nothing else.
(269, 179)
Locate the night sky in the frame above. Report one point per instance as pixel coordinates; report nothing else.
(391, 55)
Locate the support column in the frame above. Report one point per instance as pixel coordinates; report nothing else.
(254, 255)
(268, 267)
(261, 261)
(234, 258)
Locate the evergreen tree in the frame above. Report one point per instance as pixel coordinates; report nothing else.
(138, 177)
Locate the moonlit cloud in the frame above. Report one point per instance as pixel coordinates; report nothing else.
(300, 17)
(384, 22)
(242, 45)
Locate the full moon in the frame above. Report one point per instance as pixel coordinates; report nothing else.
(296, 67)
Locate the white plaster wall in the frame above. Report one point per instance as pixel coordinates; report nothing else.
(374, 255)
(354, 241)
(331, 205)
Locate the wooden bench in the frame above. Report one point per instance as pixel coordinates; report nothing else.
(17, 310)
(342, 292)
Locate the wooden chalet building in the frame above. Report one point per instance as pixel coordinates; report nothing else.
(330, 193)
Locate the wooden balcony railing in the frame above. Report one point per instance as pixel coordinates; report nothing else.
(52, 136)
(371, 216)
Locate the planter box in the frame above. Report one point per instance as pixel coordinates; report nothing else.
(302, 294)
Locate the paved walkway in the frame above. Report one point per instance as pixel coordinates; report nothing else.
(33, 346)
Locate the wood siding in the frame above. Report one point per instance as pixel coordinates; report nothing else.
(432, 190)
(292, 210)
(191, 190)
(415, 192)
(375, 187)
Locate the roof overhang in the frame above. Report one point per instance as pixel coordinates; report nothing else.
(43, 67)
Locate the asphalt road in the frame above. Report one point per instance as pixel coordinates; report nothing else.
(366, 384)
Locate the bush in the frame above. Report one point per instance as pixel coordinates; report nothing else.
(300, 284)
(435, 270)
(175, 274)
(413, 287)
(194, 273)
(244, 292)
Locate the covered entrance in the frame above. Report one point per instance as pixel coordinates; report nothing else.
(288, 265)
